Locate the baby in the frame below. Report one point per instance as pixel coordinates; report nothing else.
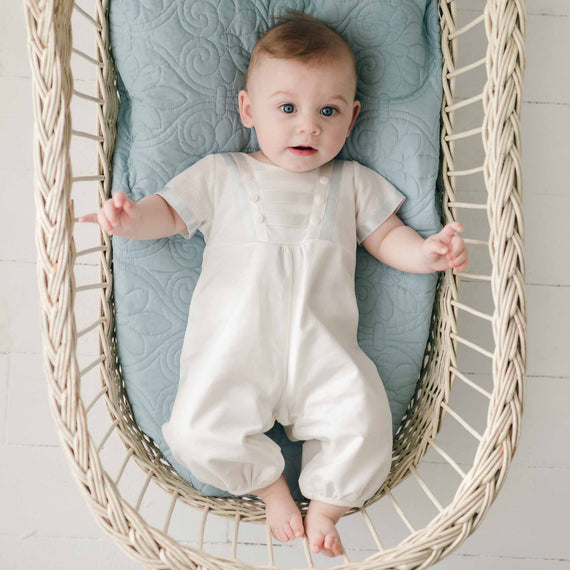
(272, 325)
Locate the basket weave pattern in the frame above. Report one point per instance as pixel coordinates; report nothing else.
(50, 51)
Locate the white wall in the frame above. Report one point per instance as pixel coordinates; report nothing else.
(44, 522)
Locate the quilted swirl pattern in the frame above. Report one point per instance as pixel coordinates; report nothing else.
(181, 65)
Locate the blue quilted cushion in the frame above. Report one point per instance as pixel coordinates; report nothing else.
(181, 64)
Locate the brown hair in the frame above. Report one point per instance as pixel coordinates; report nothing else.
(302, 37)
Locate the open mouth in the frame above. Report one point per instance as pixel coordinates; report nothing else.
(302, 150)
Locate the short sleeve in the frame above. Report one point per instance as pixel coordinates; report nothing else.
(191, 194)
(376, 200)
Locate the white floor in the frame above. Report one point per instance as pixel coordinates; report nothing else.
(44, 522)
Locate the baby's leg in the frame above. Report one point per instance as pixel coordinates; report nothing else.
(283, 515)
(346, 426)
(321, 530)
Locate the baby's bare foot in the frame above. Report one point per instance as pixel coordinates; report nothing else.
(321, 530)
(283, 515)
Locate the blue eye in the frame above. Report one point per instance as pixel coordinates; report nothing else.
(328, 111)
(288, 108)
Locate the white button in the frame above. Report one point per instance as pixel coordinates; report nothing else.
(260, 218)
(318, 199)
(315, 220)
(254, 197)
(323, 179)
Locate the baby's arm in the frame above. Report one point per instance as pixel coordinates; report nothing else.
(402, 248)
(149, 218)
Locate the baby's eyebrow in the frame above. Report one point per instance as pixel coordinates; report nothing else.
(281, 94)
(289, 94)
(338, 98)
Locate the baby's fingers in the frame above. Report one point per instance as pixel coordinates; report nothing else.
(436, 246)
(112, 211)
(457, 246)
(120, 199)
(129, 208)
(104, 222)
(88, 218)
(449, 231)
(460, 262)
(461, 268)
(125, 207)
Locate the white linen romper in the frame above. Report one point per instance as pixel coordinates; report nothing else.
(272, 328)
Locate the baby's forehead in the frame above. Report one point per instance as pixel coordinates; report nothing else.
(344, 64)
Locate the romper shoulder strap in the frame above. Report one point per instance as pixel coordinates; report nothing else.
(247, 195)
(332, 200)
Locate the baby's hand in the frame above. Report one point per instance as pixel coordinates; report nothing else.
(446, 250)
(118, 215)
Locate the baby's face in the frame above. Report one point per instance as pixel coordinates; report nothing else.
(302, 112)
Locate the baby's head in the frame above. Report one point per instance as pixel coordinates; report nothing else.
(299, 93)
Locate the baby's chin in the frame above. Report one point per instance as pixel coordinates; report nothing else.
(301, 159)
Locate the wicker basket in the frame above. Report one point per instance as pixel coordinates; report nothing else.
(476, 349)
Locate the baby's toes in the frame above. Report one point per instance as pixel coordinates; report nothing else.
(279, 533)
(332, 543)
(330, 546)
(288, 531)
(297, 526)
(317, 542)
(329, 542)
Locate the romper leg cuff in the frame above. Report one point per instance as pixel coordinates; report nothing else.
(336, 501)
(249, 490)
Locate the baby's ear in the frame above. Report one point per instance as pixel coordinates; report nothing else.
(355, 111)
(245, 109)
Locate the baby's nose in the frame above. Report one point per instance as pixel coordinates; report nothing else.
(309, 124)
